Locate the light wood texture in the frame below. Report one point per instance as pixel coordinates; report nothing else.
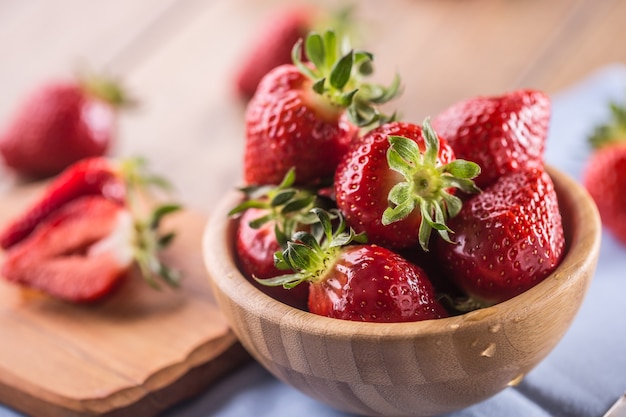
(407, 369)
(135, 353)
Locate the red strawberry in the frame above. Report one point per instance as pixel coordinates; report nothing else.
(396, 185)
(92, 176)
(605, 172)
(272, 47)
(271, 215)
(357, 282)
(59, 124)
(57, 234)
(256, 247)
(507, 238)
(78, 254)
(297, 117)
(501, 134)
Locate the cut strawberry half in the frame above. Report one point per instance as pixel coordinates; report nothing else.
(92, 176)
(88, 227)
(78, 254)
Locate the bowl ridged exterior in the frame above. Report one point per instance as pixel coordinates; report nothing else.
(408, 369)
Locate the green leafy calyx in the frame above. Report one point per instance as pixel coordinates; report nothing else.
(338, 73)
(107, 89)
(311, 255)
(285, 205)
(613, 131)
(426, 184)
(143, 188)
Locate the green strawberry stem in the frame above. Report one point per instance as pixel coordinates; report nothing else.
(426, 186)
(107, 89)
(310, 255)
(289, 207)
(337, 73)
(148, 240)
(341, 21)
(613, 131)
(461, 305)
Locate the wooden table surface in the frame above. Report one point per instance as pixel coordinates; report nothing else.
(178, 57)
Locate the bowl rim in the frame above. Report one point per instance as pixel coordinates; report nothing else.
(582, 249)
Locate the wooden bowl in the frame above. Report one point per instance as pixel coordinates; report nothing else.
(408, 369)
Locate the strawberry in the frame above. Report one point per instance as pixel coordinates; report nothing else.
(59, 124)
(507, 238)
(307, 115)
(501, 134)
(605, 172)
(273, 42)
(358, 282)
(269, 217)
(91, 176)
(78, 254)
(272, 47)
(256, 247)
(91, 209)
(112, 179)
(397, 184)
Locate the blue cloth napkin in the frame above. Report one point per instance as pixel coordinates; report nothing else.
(581, 377)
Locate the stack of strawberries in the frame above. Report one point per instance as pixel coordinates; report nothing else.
(353, 214)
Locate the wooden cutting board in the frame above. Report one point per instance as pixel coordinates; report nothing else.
(134, 354)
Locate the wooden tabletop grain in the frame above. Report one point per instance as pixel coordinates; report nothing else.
(178, 59)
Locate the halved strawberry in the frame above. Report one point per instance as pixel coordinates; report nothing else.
(87, 222)
(92, 176)
(77, 254)
(112, 179)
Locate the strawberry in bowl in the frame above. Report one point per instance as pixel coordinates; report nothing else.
(426, 367)
(306, 115)
(446, 262)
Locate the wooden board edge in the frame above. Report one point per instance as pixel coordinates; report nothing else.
(146, 400)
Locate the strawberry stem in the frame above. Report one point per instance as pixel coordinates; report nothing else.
(310, 255)
(143, 187)
(426, 185)
(613, 131)
(147, 244)
(289, 207)
(461, 305)
(107, 89)
(337, 73)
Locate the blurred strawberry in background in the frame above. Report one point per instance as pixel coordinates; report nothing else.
(605, 173)
(60, 123)
(273, 41)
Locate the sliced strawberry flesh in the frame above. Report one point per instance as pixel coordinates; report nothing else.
(93, 176)
(65, 255)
